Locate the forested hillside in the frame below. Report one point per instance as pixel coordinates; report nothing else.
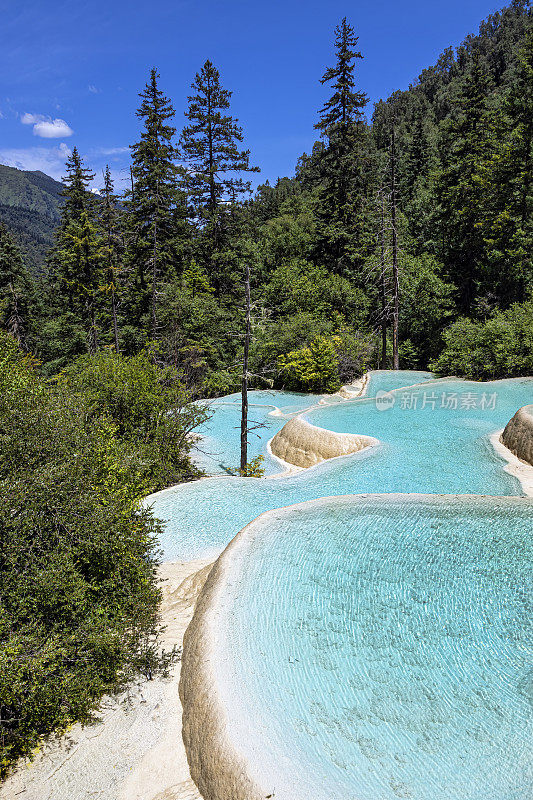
(389, 233)
(405, 241)
(30, 206)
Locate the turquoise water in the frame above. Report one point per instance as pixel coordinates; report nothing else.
(429, 450)
(382, 649)
(218, 451)
(386, 380)
(378, 648)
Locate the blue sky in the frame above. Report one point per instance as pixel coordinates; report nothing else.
(70, 72)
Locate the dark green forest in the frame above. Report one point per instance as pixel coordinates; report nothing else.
(403, 240)
(394, 237)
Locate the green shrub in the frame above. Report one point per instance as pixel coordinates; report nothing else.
(254, 468)
(314, 368)
(501, 347)
(149, 406)
(78, 556)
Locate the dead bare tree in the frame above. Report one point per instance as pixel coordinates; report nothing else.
(245, 374)
(395, 281)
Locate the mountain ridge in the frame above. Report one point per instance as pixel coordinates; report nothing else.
(30, 207)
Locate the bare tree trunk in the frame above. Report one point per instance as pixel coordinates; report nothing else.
(247, 336)
(115, 321)
(154, 272)
(93, 338)
(383, 362)
(15, 325)
(395, 283)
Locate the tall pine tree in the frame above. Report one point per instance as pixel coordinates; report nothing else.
(152, 202)
(466, 145)
(345, 162)
(112, 250)
(210, 148)
(508, 181)
(75, 260)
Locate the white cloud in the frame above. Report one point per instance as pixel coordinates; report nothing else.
(32, 119)
(50, 160)
(52, 129)
(93, 89)
(46, 127)
(110, 151)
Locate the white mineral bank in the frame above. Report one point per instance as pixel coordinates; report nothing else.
(305, 445)
(136, 751)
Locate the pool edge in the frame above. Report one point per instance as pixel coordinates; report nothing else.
(216, 767)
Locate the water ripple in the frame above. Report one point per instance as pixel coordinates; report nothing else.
(383, 649)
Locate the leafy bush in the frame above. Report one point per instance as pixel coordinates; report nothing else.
(78, 556)
(314, 368)
(327, 362)
(501, 347)
(148, 405)
(284, 335)
(254, 468)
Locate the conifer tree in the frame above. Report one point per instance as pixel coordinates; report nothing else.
(521, 110)
(80, 258)
(394, 231)
(344, 162)
(113, 250)
(508, 182)
(153, 198)
(17, 293)
(76, 192)
(77, 200)
(75, 261)
(210, 147)
(467, 144)
(346, 105)
(417, 160)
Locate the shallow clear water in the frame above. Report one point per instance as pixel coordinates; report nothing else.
(424, 449)
(386, 380)
(378, 648)
(218, 452)
(383, 649)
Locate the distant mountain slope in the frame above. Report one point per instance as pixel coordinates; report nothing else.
(30, 205)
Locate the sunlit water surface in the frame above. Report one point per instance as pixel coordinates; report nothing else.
(383, 650)
(377, 648)
(429, 449)
(218, 451)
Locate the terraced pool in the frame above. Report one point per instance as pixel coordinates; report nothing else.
(218, 451)
(428, 449)
(381, 648)
(370, 648)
